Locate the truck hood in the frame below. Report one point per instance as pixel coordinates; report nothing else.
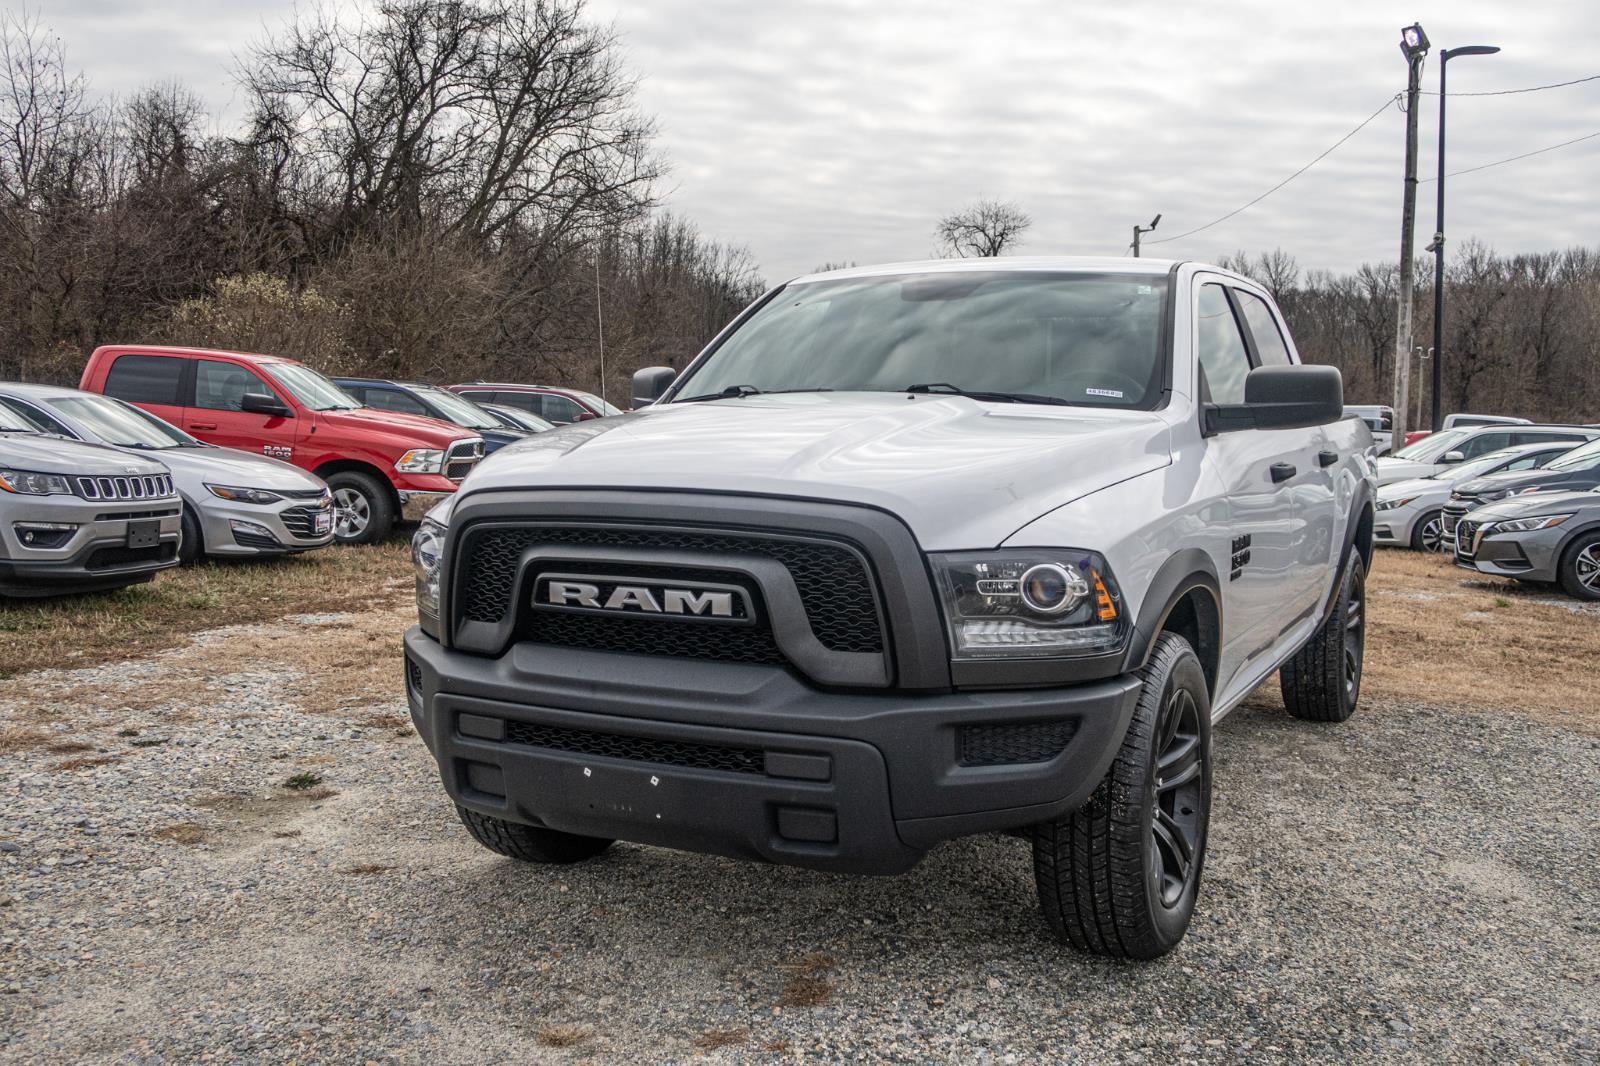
(959, 473)
(407, 431)
(57, 455)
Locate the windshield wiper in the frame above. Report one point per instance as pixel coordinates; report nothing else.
(733, 392)
(944, 388)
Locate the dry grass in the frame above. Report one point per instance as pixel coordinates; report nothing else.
(74, 631)
(83, 763)
(806, 992)
(563, 1035)
(366, 869)
(1444, 636)
(713, 1039)
(181, 833)
(20, 738)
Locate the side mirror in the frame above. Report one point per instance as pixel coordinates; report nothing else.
(1452, 457)
(1282, 397)
(651, 383)
(264, 403)
(586, 416)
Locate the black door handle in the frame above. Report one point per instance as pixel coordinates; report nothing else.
(1327, 458)
(1283, 471)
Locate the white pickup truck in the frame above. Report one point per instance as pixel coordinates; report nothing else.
(909, 553)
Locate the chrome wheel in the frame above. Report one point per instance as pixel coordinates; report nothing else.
(1177, 821)
(1432, 535)
(1587, 568)
(352, 513)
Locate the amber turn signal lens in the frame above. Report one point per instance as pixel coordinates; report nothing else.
(1105, 610)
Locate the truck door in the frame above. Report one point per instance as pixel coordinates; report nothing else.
(216, 414)
(1259, 470)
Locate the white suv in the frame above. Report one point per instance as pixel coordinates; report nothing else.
(909, 553)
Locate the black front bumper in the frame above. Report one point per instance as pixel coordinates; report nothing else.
(747, 760)
(98, 566)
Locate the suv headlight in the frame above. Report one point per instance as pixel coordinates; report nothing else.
(420, 461)
(1030, 602)
(238, 495)
(427, 555)
(29, 483)
(1526, 525)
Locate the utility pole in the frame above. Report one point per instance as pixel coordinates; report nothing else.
(1140, 231)
(1414, 44)
(600, 323)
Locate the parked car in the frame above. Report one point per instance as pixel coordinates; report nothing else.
(380, 465)
(551, 403)
(234, 503)
(910, 553)
(512, 418)
(430, 401)
(78, 517)
(1380, 420)
(1458, 420)
(1572, 471)
(1545, 538)
(1410, 513)
(1450, 446)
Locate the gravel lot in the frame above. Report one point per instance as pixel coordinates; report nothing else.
(1418, 884)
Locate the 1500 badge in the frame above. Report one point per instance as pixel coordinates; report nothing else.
(277, 451)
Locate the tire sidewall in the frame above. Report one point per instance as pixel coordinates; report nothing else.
(1170, 923)
(192, 548)
(1355, 579)
(379, 508)
(1569, 566)
(1417, 527)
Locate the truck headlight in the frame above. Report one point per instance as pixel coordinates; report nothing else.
(29, 483)
(420, 461)
(239, 495)
(1030, 602)
(427, 553)
(1526, 525)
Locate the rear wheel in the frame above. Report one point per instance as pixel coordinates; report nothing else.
(1323, 681)
(530, 843)
(363, 509)
(1427, 535)
(1580, 567)
(193, 546)
(1119, 877)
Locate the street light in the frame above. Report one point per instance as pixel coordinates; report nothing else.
(1438, 234)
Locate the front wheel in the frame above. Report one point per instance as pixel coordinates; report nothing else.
(1322, 682)
(1428, 535)
(529, 843)
(193, 546)
(1580, 567)
(1120, 876)
(363, 508)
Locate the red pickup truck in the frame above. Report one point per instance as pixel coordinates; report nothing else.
(380, 465)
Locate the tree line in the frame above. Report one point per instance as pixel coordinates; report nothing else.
(443, 189)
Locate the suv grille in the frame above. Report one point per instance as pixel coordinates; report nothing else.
(462, 456)
(638, 749)
(833, 583)
(1465, 534)
(140, 487)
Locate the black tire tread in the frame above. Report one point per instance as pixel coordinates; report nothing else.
(528, 843)
(192, 549)
(1312, 681)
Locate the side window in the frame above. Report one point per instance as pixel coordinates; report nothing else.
(1263, 329)
(1224, 362)
(221, 386)
(393, 400)
(561, 409)
(146, 379)
(1483, 444)
(1527, 462)
(1546, 438)
(522, 401)
(44, 422)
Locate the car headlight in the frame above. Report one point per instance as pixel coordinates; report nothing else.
(28, 483)
(1390, 505)
(420, 461)
(1032, 603)
(1526, 525)
(427, 555)
(241, 495)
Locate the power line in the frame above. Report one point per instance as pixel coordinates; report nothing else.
(1513, 159)
(1529, 89)
(1329, 151)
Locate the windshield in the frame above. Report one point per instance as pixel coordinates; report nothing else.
(604, 407)
(114, 422)
(11, 420)
(1583, 457)
(1083, 339)
(1432, 446)
(311, 388)
(520, 419)
(461, 412)
(1483, 464)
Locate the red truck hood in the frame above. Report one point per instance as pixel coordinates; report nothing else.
(412, 429)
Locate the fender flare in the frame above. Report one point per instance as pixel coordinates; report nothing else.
(1361, 508)
(1184, 572)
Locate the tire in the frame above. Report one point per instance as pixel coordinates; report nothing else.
(529, 843)
(363, 508)
(1119, 877)
(1322, 683)
(1427, 533)
(1580, 567)
(193, 546)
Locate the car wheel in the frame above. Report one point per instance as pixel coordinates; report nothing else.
(363, 510)
(1580, 567)
(193, 546)
(1427, 533)
(1120, 876)
(1322, 682)
(529, 843)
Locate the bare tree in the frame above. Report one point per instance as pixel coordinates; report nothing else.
(985, 228)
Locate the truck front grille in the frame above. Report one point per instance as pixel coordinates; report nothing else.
(135, 487)
(835, 591)
(462, 456)
(637, 749)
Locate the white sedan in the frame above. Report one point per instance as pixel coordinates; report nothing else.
(1408, 512)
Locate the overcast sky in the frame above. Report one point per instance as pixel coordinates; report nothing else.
(829, 130)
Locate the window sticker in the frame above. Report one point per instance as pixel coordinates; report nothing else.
(1115, 394)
